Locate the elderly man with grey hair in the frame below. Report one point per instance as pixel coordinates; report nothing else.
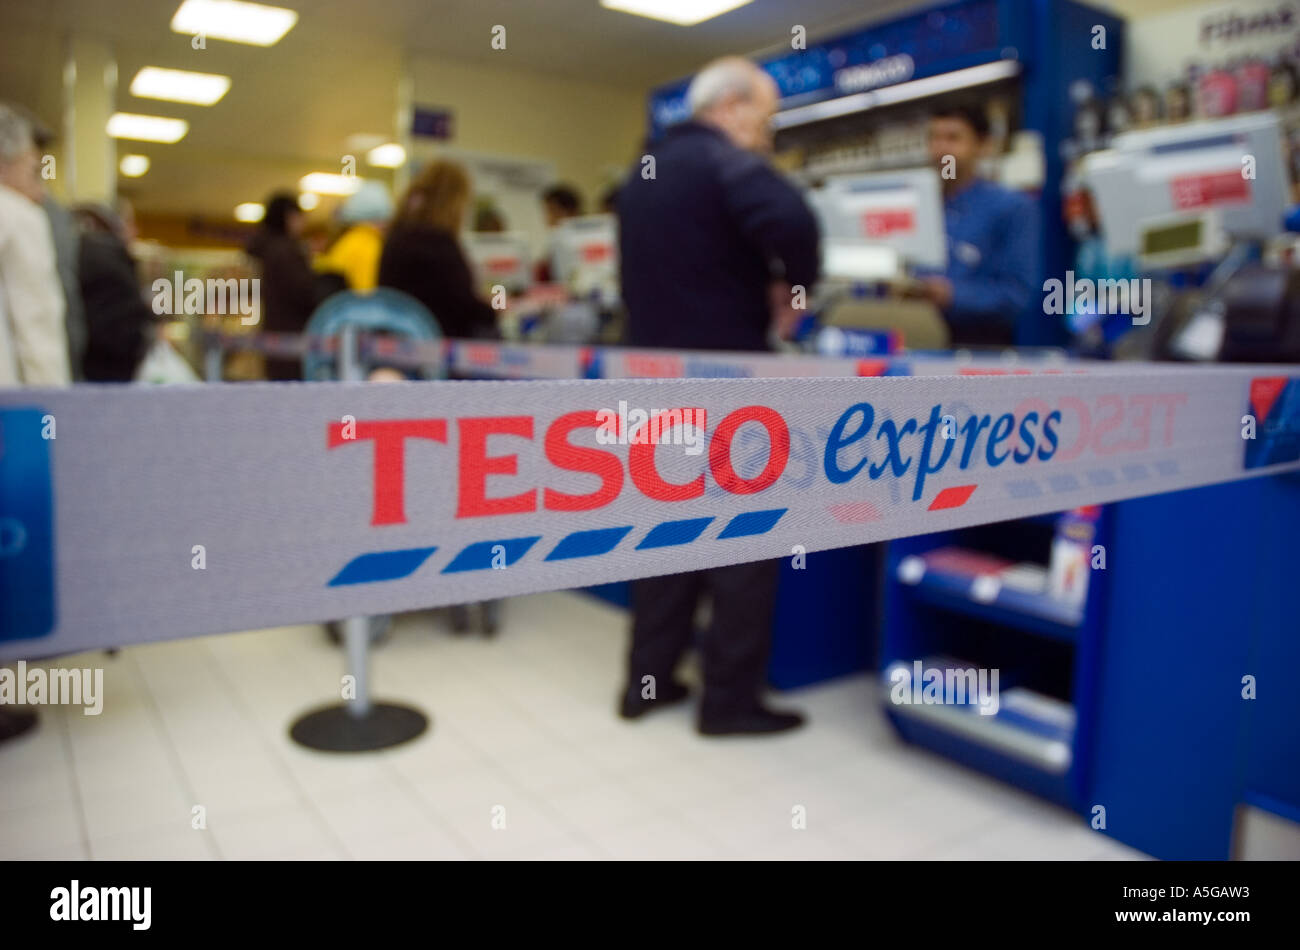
(713, 243)
(33, 340)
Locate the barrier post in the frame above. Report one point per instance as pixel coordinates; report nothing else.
(213, 357)
(356, 643)
(349, 363)
(357, 724)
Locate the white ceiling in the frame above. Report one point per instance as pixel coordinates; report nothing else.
(335, 74)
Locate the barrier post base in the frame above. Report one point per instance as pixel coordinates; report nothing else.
(358, 725)
(338, 729)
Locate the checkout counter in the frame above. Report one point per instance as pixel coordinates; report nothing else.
(579, 301)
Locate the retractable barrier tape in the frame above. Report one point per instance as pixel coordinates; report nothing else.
(518, 360)
(627, 363)
(133, 514)
(275, 344)
(489, 359)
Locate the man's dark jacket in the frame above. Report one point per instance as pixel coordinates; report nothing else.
(119, 324)
(700, 242)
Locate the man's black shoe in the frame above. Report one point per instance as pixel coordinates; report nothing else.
(633, 706)
(756, 721)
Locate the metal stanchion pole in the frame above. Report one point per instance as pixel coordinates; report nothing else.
(357, 724)
(213, 355)
(356, 642)
(349, 360)
(356, 630)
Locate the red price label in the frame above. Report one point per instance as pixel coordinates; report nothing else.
(1202, 191)
(880, 223)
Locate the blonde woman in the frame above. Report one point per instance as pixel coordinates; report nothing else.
(422, 256)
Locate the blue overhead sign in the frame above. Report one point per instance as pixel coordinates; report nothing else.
(923, 44)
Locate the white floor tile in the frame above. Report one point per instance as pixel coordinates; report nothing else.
(40, 830)
(152, 803)
(286, 832)
(661, 839)
(525, 759)
(158, 845)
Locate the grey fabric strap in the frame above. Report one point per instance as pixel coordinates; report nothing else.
(133, 514)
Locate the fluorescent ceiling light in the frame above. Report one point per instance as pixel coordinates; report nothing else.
(308, 201)
(133, 166)
(902, 92)
(681, 12)
(234, 21)
(250, 212)
(391, 155)
(325, 183)
(146, 128)
(179, 85)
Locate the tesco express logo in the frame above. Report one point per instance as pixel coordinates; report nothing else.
(860, 445)
(475, 464)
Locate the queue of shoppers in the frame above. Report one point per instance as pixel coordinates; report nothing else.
(743, 241)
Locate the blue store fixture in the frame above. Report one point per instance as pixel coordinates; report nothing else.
(1196, 595)
(1033, 640)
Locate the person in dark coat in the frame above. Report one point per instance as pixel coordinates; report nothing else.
(711, 246)
(422, 255)
(704, 241)
(289, 289)
(119, 324)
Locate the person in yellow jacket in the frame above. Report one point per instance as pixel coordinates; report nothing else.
(355, 253)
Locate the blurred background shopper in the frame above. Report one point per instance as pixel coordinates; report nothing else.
(63, 231)
(356, 251)
(560, 202)
(993, 236)
(33, 337)
(289, 292)
(423, 257)
(703, 243)
(120, 323)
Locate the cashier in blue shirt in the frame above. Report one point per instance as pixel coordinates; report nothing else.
(993, 238)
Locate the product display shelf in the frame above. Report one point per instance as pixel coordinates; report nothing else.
(945, 616)
(1175, 690)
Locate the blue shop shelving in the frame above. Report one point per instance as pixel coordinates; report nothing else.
(1145, 691)
(1042, 647)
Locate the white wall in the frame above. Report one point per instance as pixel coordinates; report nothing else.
(1160, 46)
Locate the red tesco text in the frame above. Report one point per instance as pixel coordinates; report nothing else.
(475, 464)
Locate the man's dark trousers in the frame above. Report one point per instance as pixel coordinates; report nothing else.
(734, 647)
